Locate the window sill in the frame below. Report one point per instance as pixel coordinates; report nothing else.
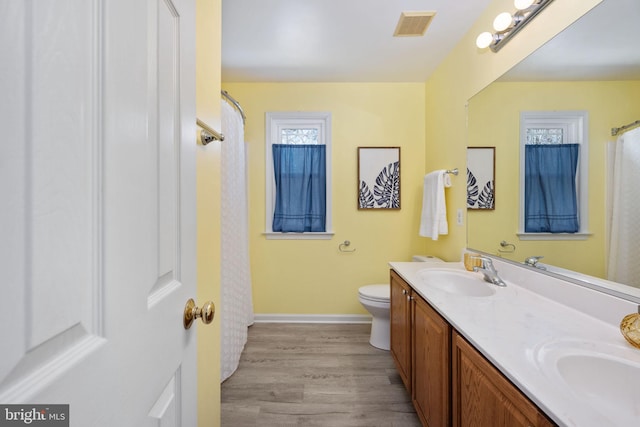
(271, 235)
(582, 235)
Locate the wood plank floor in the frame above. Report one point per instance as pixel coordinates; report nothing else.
(325, 375)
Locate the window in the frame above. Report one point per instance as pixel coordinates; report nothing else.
(553, 175)
(296, 128)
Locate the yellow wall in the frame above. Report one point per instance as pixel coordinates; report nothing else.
(427, 120)
(314, 277)
(494, 121)
(464, 73)
(208, 208)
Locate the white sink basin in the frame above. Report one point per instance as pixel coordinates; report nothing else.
(605, 376)
(456, 282)
(601, 375)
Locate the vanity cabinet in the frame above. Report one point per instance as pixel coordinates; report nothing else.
(450, 382)
(421, 348)
(482, 396)
(400, 321)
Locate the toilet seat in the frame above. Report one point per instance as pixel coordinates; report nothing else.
(375, 293)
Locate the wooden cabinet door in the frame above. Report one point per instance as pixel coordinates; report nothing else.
(400, 319)
(431, 357)
(483, 397)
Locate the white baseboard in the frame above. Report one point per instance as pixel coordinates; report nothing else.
(312, 318)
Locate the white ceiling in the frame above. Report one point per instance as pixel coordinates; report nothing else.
(337, 40)
(352, 40)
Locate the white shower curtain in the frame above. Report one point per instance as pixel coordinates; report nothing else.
(236, 301)
(624, 209)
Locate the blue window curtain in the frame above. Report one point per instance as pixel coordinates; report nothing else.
(300, 175)
(551, 204)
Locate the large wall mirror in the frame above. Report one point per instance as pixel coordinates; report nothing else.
(593, 66)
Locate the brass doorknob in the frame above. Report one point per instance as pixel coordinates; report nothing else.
(192, 312)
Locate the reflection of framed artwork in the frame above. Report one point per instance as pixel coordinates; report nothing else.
(378, 177)
(481, 170)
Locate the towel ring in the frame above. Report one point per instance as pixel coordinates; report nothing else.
(345, 244)
(506, 244)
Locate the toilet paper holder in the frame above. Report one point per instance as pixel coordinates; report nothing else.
(345, 244)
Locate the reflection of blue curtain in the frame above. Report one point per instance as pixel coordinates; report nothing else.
(300, 175)
(550, 188)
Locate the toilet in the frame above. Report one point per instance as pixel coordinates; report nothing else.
(376, 300)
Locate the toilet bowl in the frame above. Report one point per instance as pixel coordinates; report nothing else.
(376, 299)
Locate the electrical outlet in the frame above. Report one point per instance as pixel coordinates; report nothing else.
(459, 217)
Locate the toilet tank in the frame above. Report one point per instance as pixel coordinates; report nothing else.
(425, 258)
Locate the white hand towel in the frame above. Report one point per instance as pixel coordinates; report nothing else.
(433, 220)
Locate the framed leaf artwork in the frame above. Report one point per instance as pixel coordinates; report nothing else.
(378, 177)
(481, 169)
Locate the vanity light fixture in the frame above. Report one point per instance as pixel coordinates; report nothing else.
(503, 22)
(506, 25)
(523, 4)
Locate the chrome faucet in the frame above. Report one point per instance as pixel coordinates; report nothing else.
(532, 261)
(489, 272)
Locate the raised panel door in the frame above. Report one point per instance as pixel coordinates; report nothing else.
(97, 180)
(431, 350)
(400, 320)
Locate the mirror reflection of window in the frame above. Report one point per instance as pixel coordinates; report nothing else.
(537, 136)
(552, 184)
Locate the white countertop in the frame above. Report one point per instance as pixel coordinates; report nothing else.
(523, 327)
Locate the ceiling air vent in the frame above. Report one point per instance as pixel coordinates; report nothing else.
(413, 24)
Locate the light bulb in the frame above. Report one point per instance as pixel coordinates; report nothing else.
(502, 21)
(484, 40)
(523, 4)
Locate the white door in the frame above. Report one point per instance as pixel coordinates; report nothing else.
(97, 222)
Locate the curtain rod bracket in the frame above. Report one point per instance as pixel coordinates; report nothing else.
(615, 131)
(207, 138)
(208, 134)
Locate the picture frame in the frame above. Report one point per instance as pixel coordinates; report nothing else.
(481, 171)
(378, 178)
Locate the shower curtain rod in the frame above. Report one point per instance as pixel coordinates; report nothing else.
(615, 131)
(235, 103)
